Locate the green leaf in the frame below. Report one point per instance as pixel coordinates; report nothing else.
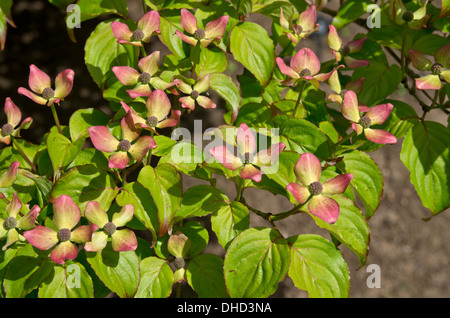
(301, 136)
(314, 103)
(351, 227)
(165, 144)
(200, 200)
(84, 118)
(211, 60)
(84, 184)
(90, 9)
(7, 256)
(119, 271)
(70, 280)
(425, 153)
(252, 46)
(102, 52)
(168, 37)
(205, 275)
(62, 151)
(255, 115)
(90, 156)
(380, 81)
(164, 184)
(285, 172)
(367, 179)
(429, 43)
(230, 220)
(256, 261)
(244, 7)
(224, 85)
(26, 271)
(156, 279)
(272, 9)
(349, 12)
(318, 267)
(144, 209)
(184, 156)
(387, 35)
(43, 185)
(198, 236)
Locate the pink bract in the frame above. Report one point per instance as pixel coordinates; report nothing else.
(308, 172)
(41, 89)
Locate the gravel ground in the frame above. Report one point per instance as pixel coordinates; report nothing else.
(413, 255)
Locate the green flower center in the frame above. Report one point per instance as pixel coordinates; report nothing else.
(365, 121)
(199, 34)
(436, 68)
(315, 188)
(109, 228)
(407, 16)
(345, 50)
(297, 28)
(195, 94)
(64, 234)
(152, 121)
(48, 93)
(179, 262)
(138, 35)
(246, 157)
(124, 145)
(305, 72)
(7, 129)
(144, 78)
(10, 223)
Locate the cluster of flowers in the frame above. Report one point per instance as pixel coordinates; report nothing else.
(304, 66)
(65, 232)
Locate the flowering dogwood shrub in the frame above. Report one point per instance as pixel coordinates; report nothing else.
(103, 194)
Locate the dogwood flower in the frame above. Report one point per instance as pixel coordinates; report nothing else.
(144, 77)
(341, 52)
(193, 93)
(303, 66)
(375, 115)
(147, 26)
(9, 227)
(121, 239)
(66, 216)
(13, 118)
(401, 16)
(441, 68)
(250, 161)
(308, 171)
(8, 178)
(158, 108)
(304, 26)
(131, 143)
(213, 31)
(41, 90)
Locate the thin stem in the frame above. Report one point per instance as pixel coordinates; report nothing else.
(55, 116)
(195, 57)
(124, 177)
(149, 155)
(144, 6)
(32, 165)
(350, 135)
(144, 53)
(239, 191)
(427, 109)
(299, 98)
(276, 217)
